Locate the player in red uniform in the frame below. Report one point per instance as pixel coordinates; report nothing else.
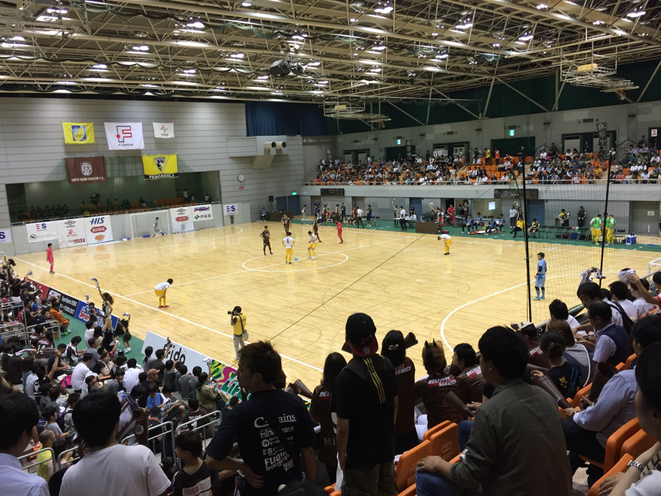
(339, 229)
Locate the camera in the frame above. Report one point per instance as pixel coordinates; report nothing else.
(230, 312)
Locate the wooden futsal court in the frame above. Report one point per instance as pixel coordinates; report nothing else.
(401, 279)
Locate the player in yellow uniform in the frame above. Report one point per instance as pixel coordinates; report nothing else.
(160, 290)
(595, 228)
(288, 243)
(447, 241)
(312, 246)
(610, 229)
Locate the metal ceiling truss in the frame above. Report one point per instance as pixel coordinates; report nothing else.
(352, 50)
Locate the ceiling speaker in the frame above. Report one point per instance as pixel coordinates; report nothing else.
(279, 68)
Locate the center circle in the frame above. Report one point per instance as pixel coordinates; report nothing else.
(324, 260)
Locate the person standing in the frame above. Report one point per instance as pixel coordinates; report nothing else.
(369, 215)
(514, 214)
(447, 241)
(315, 228)
(339, 230)
(581, 215)
(273, 430)
(161, 290)
(304, 216)
(595, 228)
(365, 401)
(343, 211)
(288, 242)
(157, 229)
(312, 245)
(240, 333)
(266, 240)
(49, 257)
(540, 279)
(359, 218)
(451, 219)
(610, 229)
(286, 222)
(402, 218)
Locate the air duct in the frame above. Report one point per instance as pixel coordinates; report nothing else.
(268, 145)
(279, 145)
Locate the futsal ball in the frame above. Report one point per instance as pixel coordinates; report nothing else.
(295, 259)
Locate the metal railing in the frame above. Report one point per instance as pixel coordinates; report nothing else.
(29, 465)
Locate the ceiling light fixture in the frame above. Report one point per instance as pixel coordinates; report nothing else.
(196, 24)
(636, 13)
(141, 48)
(238, 55)
(542, 6)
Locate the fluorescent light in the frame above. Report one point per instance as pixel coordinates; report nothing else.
(185, 83)
(262, 78)
(467, 25)
(194, 44)
(442, 56)
(56, 11)
(97, 80)
(542, 6)
(148, 93)
(496, 45)
(61, 91)
(141, 48)
(598, 22)
(246, 4)
(188, 71)
(379, 48)
(314, 64)
(196, 24)
(100, 66)
(322, 83)
(434, 34)
(68, 83)
(17, 38)
(237, 55)
(46, 18)
(526, 37)
(636, 13)
(149, 86)
(353, 19)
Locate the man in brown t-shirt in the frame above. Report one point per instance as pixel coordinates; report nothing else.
(466, 369)
(266, 239)
(436, 386)
(286, 222)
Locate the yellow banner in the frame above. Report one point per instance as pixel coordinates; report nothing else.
(160, 165)
(78, 133)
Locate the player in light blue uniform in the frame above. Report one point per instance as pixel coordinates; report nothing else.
(540, 280)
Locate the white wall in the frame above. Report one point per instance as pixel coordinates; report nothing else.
(32, 145)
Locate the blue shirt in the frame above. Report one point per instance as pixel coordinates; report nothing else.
(541, 267)
(155, 401)
(16, 481)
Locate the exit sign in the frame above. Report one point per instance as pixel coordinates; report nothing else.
(399, 141)
(512, 132)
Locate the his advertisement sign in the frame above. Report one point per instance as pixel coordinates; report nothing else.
(83, 314)
(85, 170)
(202, 212)
(182, 219)
(98, 229)
(41, 231)
(230, 209)
(71, 232)
(5, 235)
(177, 352)
(124, 135)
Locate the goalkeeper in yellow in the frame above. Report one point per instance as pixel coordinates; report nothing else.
(447, 241)
(312, 245)
(595, 227)
(610, 223)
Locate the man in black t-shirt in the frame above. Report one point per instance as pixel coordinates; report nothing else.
(365, 400)
(267, 458)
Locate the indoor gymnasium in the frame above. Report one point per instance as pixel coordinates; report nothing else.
(339, 248)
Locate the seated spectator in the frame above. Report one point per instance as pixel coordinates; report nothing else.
(619, 295)
(574, 351)
(19, 417)
(466, 369)
(92, 350)
(260, 420)
(72, 354)
(587, 431)
(120, 470)
(529, 335)
(114, 386)
(195, 477)
(611, 345)
(394, 349)
(56, 365)
(434, 388)
(503, 455)
(559, 311)
(44, 458)
(565, 374)
(155, 398)
(80, 372)
(644, 476)
(590, 292)
(132, 376)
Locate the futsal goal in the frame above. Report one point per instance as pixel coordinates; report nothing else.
(142, 223)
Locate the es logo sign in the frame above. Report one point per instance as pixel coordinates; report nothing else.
(231, 209)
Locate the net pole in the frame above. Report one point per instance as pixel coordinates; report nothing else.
(603, 224)
(525, 237)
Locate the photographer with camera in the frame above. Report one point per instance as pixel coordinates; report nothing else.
(238, 321)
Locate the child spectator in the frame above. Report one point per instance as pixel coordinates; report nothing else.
(45, 458)
(195, 478)
(155, 398)
(50, 415)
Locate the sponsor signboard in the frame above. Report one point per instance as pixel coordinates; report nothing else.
(202, 212)
(177, 352)
(41, 231)
(182, 219)
(68, 304)
(85, 170)
(71, 232)
(230, 209)
(98, 229)
(83, 314)
(5, 235)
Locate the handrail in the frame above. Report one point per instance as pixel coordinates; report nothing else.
(36, 463)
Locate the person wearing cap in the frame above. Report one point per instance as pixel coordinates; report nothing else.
(365, 401)
(240, 333)
(504, 454)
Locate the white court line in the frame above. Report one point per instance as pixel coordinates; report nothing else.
(170, 314)
(484, 298)
(260, 269)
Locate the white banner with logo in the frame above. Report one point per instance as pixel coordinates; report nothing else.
(5, 235)
(163, 129)
(182, 219)
(41, 231)
(98, 229)
(202, 212)
(185, 355)
(230, 209)
(124, 135)
(71, 232)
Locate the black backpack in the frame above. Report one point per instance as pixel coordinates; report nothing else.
(627, 323)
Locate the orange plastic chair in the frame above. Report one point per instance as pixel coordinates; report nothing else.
(627, 364)
(405, 471)
(409, 491)
(330, 489)
(437, 428)
(620, 466)
(445, 443)
(581, 392)
(336, 493)
(637, 444)
(620, 366)
(614, 444)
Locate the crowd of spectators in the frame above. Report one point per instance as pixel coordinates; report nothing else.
(96, 419)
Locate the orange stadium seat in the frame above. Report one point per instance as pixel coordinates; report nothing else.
(620, 466)
(629, 361)
(637, 444)
(409, 491)
(437, 428)
(614, 444)
(405, 471)
(445, 443)
(581, 392)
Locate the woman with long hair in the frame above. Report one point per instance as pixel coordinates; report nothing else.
(394, 349)
(320, 411)
(106, 306)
